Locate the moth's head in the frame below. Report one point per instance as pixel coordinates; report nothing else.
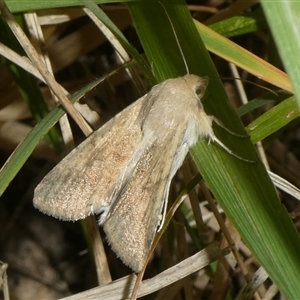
(197, 84)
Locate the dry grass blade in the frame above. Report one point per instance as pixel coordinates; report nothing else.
(34, 56)
(3, 280)
(122, 288)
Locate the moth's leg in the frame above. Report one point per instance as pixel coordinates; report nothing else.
(220, 123)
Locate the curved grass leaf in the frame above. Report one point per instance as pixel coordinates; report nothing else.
(244, 190)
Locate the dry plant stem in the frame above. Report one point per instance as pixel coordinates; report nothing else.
(176, 273)
(262, 154)
(203, 8)
(21, 61)
(140, 275)
(272, 291)
(172, 291)
(34, 57)
(249, 290)
(122, 288)
(210, 200)
(63, 15)
(3, 280)
(225, 267)
(36, 32)
(238, 83)
(168, 218)
(120, 51)
(124, 57)
(187, 174)
(244, 100)
(183, 254)
(102, 267)
(285, 185)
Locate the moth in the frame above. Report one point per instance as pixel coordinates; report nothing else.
(123, 171)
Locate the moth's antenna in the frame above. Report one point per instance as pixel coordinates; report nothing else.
(176, 38)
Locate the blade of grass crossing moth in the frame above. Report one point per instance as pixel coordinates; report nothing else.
(244, 190)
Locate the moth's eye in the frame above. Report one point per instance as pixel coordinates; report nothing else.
(200, 91)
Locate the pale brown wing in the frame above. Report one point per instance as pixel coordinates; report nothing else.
(137, 211)
(172, 120)
(79, 184)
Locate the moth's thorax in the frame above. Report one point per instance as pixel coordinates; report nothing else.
(196, 83)
(175, 106)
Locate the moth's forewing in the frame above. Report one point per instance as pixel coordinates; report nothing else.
(170, 126)
(134, 218)
(78, 186)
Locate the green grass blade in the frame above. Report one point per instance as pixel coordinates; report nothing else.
(246, 23)
(244, 190)
(284, 20)
(22, 6)
(273, 120)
